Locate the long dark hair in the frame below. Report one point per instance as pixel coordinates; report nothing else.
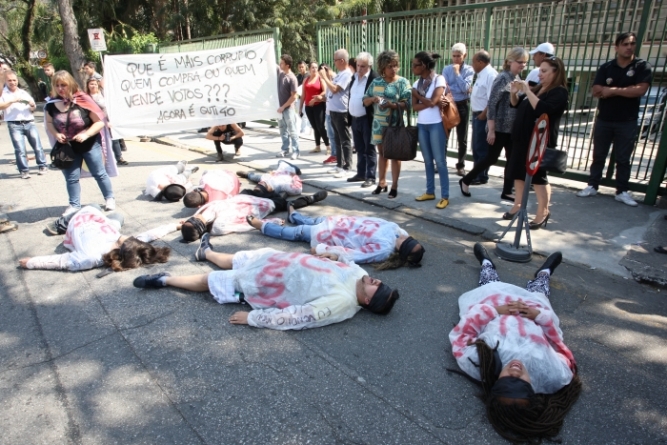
(134, 253)
(559, 81)
(541, 419)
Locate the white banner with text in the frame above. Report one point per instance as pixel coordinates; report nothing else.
(152, 94)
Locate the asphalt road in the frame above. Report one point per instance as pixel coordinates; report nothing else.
(87, 360)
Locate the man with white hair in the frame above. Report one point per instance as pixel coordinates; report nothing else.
(362, 121)
(541, 52)
(338, 97)
(459, 80)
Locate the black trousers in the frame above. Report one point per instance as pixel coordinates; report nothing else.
(462, 131)
(316, 115)
(503, 140)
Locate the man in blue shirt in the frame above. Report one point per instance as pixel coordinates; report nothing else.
(459, 79)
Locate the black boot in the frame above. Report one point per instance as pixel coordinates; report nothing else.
(551, 263)
(304, 201)
(481, 254)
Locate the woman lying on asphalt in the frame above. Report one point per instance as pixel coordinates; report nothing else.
(509, 339)
(94, 240)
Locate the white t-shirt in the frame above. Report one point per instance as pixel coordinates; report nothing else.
(431, 115)
(17, 111)
(533, 76)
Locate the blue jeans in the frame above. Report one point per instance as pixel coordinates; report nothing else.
(95, 163)
(17, 133)
(288, 132)
(366, 154)
(300, 232)
(331, 135)
(480, 148)
(433, 140)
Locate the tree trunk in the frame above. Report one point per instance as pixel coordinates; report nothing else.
(71, 39)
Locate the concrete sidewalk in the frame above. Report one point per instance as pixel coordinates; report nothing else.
(597, 232)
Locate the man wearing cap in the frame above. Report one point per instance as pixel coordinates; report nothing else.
(285, 290)
(284, 179)
(214, 185)
(619, 84)
(170, 183)
(541, 52)
(357, 239)
(459, 80)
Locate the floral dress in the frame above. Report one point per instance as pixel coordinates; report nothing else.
(397, 91)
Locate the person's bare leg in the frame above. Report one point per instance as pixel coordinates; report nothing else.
(382, 167)
(395, 173)
(518, 195)
(195, 283)
(222, 260)
(543, 193)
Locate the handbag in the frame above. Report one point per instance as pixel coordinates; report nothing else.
(62, 155)
(399, 142)
(554, 160)
(448, 111)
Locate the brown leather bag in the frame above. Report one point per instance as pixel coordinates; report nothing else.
(448, 111)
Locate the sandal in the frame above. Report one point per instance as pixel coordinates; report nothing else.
(392, 193)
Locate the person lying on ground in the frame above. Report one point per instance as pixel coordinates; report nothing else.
(214, 185)
(229, 216)
(509, 341)
(285, 290)
(360, 239)
(284, 179)
(94, 240)
(171, 182)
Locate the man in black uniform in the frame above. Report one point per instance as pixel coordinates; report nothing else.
(619, 84)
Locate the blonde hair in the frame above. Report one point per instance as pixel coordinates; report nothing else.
(513, 55)
(63, 76)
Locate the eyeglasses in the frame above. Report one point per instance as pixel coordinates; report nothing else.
(415, 65)
(362, 66)
(336, 60)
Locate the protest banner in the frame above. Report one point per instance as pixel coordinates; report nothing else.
(152, 94)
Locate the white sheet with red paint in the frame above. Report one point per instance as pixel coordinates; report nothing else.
(90, 235)
(537, 344)
(229, 215)
(219, 184)
(297, 290)
(360, 239)
(163, 177)
(284, 179)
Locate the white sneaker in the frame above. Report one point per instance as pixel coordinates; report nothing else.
(588, 191)
(42, 170)
(294, 156)
(626, 199)
(334, 170)
(70, 209)
(342, 173)
(110, 204)
(282, 154)
(25, 175)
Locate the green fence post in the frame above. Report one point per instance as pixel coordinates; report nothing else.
(658, 172)
(276, 39)
(487, 30)
(643, 24)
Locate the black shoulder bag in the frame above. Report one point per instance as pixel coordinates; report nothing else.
(398, 141)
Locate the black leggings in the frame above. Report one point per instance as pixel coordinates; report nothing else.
(316, 115)
(237, 143)
(503, 140)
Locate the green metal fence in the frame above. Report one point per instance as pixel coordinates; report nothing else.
(224, 41)
(583, 33)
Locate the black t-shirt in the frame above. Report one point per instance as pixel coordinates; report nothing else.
(616, 108)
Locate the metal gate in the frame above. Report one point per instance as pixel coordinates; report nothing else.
(583, 33)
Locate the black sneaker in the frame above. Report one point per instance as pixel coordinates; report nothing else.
(242, 174)
(481, 254)
(194, 169)
(551, 263)
(320, 196)
(150, 281)
(204, 245)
